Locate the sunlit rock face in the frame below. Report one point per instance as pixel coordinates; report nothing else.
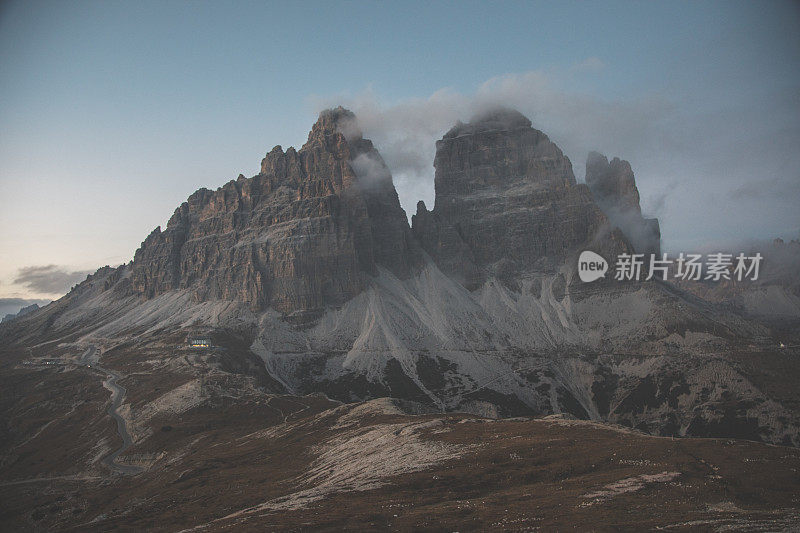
(300, 235)
(506, 201)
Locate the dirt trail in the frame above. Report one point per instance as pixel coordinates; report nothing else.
(117, 397)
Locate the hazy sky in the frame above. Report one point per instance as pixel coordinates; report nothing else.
(112, 113)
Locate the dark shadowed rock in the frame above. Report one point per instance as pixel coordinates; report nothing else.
(506, 199)
(614, 189)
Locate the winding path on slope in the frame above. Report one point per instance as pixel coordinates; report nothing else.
(117, 397)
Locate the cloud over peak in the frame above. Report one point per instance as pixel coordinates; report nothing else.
(685, 155)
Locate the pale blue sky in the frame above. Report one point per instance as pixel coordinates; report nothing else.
(112, 113)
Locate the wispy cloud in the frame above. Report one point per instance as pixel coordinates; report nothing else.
(767, 188)
(49, 279)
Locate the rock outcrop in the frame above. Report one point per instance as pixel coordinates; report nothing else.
(506, 201)
(300, 235)
(614, 189)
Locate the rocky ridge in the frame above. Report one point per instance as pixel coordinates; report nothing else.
(304, 233)
(22, 312)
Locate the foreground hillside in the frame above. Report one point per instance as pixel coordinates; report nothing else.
(216, 450)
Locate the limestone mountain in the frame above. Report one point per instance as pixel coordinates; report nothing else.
(308, 279)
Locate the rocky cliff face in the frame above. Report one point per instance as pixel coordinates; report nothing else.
(506, 202)
(300, 235)
(614, 189)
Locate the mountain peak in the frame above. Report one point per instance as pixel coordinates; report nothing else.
(307, 232)
(503, 193)
(335, 120)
